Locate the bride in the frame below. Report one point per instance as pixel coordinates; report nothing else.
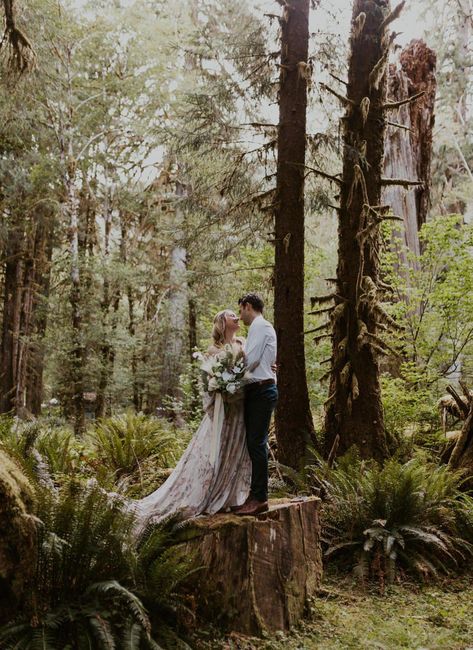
(212, 475)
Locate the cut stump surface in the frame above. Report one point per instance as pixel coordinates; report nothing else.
(259, 572)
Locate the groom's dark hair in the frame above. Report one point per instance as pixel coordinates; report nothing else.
(252, 299)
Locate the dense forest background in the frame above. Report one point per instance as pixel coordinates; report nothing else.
(157, 161)
(138, 170)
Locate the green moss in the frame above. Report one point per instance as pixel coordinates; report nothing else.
(17, 533)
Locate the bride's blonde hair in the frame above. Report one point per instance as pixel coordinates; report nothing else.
(218, 331)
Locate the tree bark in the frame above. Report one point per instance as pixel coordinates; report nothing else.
(354, 414)
(42, 280)
(260, 572)
(11, 317)
(75, 296)
(409, 151)
(461, 457)
(174, 339)
(110, 299)
(294, 425)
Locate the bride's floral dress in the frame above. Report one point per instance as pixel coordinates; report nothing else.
(211, 475)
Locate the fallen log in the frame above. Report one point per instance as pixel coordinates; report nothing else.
(462, 453)
(259, 572)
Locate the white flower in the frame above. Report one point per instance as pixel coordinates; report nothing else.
(231, 388)
(207, 365)
(198, 355)
(213, 384)
(226, 376)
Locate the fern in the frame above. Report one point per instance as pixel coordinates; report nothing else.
(408, 516)
(93, 585)
(127, 442)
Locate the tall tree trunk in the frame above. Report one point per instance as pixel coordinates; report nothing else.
(409, 150)
(75, 295)
(42, 279)
(107, 351)
(192, 315)
(137, 396)
(354, 414)
(11, 317)
(27, 299)
(294, 426)
(174, 339)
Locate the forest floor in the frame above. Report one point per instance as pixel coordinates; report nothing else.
(430, 617)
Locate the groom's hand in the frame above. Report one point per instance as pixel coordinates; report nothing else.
(274, 368)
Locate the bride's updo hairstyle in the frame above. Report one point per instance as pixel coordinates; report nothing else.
(218, 331)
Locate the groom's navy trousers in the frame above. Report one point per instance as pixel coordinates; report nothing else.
(260, 401)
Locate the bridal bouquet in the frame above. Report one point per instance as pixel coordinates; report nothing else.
(225, 372)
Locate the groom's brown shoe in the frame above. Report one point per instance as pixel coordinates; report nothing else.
(235, 509)
(253, 507)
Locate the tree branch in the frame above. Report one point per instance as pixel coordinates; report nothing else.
(401, 181)
(390, 105)
(460, 403)
(329, 177)
(393, 15)
(345, 100)
(399, 126)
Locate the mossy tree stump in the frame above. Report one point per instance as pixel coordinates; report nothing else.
(17, 536)
(259, 572)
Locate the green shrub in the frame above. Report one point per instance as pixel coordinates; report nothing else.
(409, 409)
(90, 574)
(85, 557)
(126, 441)
(402, 517)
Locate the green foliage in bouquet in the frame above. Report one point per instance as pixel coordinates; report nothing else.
(401, 518)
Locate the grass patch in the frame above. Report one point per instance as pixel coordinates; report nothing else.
(344, 617)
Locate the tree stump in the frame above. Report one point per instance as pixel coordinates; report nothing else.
(258, 571)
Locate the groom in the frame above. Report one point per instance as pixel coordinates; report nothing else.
(261, 395)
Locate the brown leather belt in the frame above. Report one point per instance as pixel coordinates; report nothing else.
(263, 382)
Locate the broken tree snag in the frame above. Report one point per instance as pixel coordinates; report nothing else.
(294, 426)
(408, 147)
(353, 411)
(418, 63)
(259, 572)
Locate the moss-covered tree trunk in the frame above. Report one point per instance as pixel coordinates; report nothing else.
(75, 295)
(294, 426)
(354, 414)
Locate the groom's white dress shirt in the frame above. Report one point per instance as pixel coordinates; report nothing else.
(261, 349)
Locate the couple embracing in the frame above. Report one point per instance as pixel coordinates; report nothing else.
(225, 467)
